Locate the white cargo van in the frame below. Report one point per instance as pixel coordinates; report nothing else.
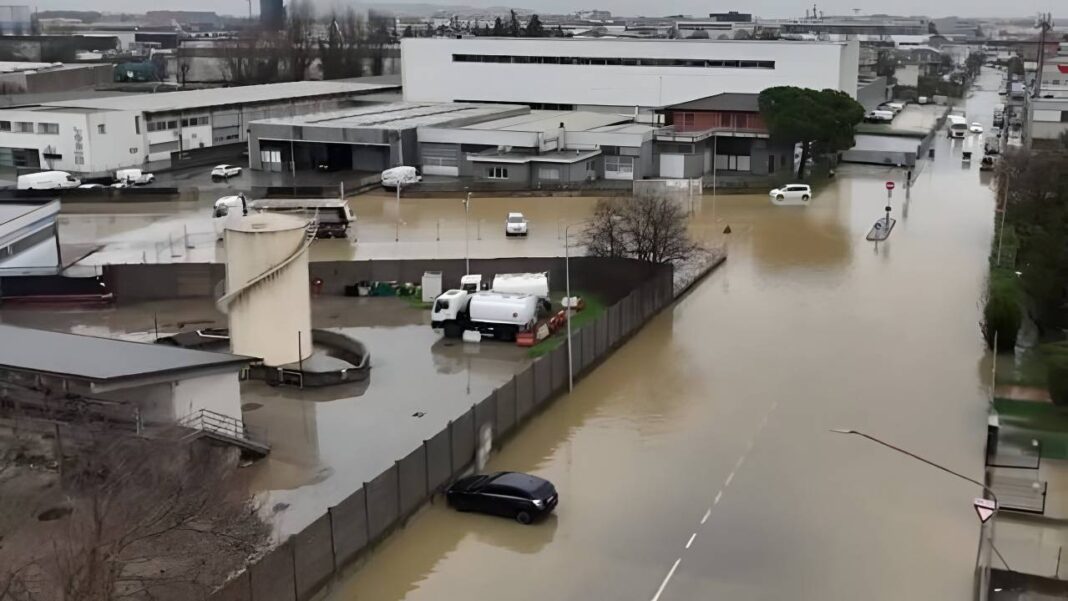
(47, 180)
(878, 116)
(400, 176)
(134, 177)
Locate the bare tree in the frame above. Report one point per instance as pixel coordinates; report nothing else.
(149, 519)
(252, 58)
(647, 228)
(300, 44)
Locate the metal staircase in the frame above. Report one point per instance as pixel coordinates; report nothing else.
(222, 428)
(224, 302)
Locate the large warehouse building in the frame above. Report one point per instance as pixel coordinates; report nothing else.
(555, 73)
(94, 137)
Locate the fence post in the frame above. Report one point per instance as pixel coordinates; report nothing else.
(366, 513)
(452, 460)
(396, 470)
(474, 431)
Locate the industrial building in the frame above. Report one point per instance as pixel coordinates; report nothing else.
(93, 137)
(43, 78)
(144, 384)
(367, 138)
(625, 75)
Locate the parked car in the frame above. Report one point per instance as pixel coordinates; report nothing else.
(47, 180)
(791, 194)
(515, 225)
(522, 497)
(880, 116)
(225, 171)
(976, 128)
(134, 177)
(400, 176)
(91, 187)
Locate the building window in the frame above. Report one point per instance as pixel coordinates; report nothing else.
(619, 164)
(137, 124)
(51, 156)
(101, 129)
(686, 120)
(24, 127)
(548, 173)
(602, 61)
(5, 126)
(1064, 116)
(79, 159)
(497, 173)
(48, 128)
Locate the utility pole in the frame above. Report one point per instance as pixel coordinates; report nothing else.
(1044, 23)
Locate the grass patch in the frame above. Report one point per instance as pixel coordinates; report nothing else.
(594, 309)
(1026, 420)
(1029, 370)
(416, 302)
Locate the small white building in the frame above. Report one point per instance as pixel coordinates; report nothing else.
(93, 137)
(150, 384)
(616, 74)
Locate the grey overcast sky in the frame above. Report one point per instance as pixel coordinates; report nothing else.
(763, 8)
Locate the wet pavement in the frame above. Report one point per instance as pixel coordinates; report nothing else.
(697, 462)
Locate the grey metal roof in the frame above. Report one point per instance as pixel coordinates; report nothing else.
(100, 360)
(194, 99)
(727, 101)
(401, 115)
(549, 121)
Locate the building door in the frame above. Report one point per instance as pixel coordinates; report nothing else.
(771, 164)
(672, 165)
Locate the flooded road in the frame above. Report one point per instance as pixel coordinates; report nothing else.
(696, 462)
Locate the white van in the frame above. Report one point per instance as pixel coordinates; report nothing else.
(400, 176)
(47, 180)
(878, 116)
(134, 177)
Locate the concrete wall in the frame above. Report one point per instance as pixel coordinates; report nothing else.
(220, 393)
(430, 73)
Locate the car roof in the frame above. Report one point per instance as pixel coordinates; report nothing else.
(515, 214)
(524, 482)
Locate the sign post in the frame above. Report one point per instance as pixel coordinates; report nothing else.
(985, 508)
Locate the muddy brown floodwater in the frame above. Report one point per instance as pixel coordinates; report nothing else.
(696, 462)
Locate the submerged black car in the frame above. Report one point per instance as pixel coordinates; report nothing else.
(510, 494)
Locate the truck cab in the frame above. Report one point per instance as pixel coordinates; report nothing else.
(448, 311)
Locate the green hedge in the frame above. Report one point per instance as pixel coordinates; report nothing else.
(1056, 359)
(1002, 314)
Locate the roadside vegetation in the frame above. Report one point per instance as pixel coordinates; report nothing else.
(1029, 269)
(592, 310)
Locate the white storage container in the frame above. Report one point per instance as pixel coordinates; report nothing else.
(431, 286)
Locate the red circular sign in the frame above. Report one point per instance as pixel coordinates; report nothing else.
(889, 185)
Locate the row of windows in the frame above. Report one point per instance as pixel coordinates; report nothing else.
(626, 62)
(173, 123)
(497, 173)
(619, 164)
(26, 127)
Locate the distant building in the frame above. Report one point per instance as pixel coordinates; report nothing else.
(272, 15)
(15, 20)
(43, 78)
(93, 137)
(731, 17)
(198, 18)
(830, 28)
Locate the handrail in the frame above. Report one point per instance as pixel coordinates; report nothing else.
(223, 304)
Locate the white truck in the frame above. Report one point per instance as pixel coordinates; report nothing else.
(47, 180)
(134, 177)
(524, 283)
(958, 126)
(501, 316)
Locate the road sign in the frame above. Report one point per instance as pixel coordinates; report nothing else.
(985, 508)
(889, 185)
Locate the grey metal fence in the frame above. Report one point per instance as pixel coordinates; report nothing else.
(304, 564)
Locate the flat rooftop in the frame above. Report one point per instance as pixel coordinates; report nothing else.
(100, 360)
(402, 115)
(196, 99)
(549, 121)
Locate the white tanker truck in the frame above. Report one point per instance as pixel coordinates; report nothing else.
(496, 314)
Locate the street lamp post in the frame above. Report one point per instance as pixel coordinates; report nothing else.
(987, 489)
(567, 297)
(467, 236)
(396, 231)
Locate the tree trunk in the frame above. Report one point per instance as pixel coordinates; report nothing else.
(804, 160)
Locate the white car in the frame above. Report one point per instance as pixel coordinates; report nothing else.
(791, 194)
(976, 128)
(91, 187)
(515, 225)
(225, 171)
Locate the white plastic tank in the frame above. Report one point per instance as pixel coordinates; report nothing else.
(267, 288)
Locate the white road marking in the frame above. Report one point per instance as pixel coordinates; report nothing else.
(667, 578)
(709, 512)
(690, 542)
(738, 465)
(719, 496)
(729, 478)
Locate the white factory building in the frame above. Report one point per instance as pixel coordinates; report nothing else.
(597, 74)
(95, 136)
